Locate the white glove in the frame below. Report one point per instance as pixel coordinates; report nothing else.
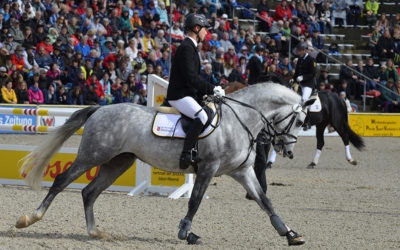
(291, 81)
(218, 91)
(299, 79)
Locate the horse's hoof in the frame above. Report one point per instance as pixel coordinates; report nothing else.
(294, 239)
(97, 234)
(23, 222)
(192, 239)
(249, 197)
(183, 234)
(352, 162)
(311, 165)
(269, 165)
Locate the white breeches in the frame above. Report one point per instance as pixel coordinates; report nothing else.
(189, 107)
(306, 93)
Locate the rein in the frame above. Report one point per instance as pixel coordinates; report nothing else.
(250, 135)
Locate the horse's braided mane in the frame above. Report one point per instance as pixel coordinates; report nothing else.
(285, 94)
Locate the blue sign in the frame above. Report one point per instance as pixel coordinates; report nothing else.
(17, 120)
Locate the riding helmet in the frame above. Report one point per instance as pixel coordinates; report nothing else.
(302, 46)
(259, 48)
(193, 19)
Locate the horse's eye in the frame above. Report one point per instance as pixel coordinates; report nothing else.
(299, 123)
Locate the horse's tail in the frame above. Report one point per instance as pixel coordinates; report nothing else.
(37, 161)
(355, 139)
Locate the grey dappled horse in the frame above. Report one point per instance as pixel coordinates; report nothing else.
(116, 135)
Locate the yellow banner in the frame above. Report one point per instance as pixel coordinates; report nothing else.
(363, 124)
(159, 177)
(58, 164)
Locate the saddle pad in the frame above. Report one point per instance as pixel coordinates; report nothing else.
(165, 125)
(316, 106)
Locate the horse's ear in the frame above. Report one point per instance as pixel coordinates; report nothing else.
(309, 102)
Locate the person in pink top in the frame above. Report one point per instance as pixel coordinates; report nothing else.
(35, 94)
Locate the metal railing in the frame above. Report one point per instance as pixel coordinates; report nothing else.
(327, 56)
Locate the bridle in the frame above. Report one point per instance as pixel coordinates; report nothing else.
(285, 132)
(268, 128)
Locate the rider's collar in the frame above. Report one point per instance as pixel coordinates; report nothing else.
(193, 40)
(305, 56)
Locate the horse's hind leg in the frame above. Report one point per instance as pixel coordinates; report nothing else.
(60, 183)
(345, 138)
(107, 174)
(248, 179)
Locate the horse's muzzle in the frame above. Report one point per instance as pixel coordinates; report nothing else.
(289, 154)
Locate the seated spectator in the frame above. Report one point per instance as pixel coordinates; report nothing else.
(62, 96)
(122, 72)
(386, 46)
(225, 42)
(229, 66)
(372, 72)
(57, 58)
(90, 95)
(263, 12)
(22, 93)
(282, 12)
(8, 93)
(231, 54)
(142, 97)
(164, 62)
(10, 45)
(92, 80)
(325, 18)
(4, 78)
(123, 94)
(355, 8)
(16, 32)
(53, 75)
(48, 48)
(35, 94)
(18, 58)
(371, 11)
(339, 13)
(49, 95)
(285, 63)
(16, 78)
(373, 42)
(391, 71)
(177, 34)
(214, 40)
(106, 84)
(42, 59)
(75, 97)
(29, 57)
(346, 101)
(387, 97)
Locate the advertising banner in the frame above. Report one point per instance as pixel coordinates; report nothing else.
(160, 177)
(11, 119)
(9, 168)
(386, 125)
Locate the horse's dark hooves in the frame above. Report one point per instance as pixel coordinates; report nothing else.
(311, 165)
(269, 165)
(294, 239)
(192, 239)
(352, 162)
(249, 197)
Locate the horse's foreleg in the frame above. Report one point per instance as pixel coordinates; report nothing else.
(248, 179)
(202, 181)
(320, 145)
(106, 176)
(60, 183)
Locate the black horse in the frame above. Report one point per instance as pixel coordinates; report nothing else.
(333, 113)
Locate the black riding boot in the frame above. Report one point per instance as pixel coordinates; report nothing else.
(187, 156)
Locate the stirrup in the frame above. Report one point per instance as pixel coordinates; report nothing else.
(189, 158)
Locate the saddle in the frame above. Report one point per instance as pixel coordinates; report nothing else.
(169, 122)
(316, 106)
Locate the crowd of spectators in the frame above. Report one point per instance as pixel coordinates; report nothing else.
(101, 51)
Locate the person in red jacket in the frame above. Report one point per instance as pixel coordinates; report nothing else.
(282, 12)
(48, 48)
(92, 80)
(18, 59)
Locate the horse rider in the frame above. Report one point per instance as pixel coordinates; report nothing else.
(305, 71)
(186, 87)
